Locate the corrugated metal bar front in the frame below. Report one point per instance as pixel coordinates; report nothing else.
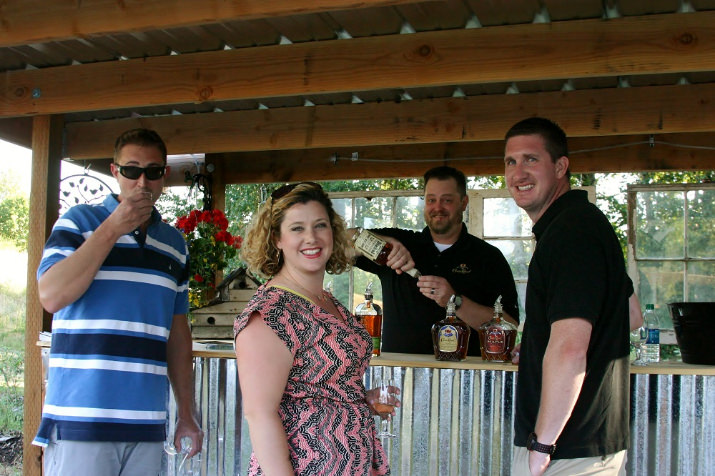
(460, 422)
(672, 425)
(439, 411)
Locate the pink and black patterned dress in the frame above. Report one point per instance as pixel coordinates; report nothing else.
(328, 423)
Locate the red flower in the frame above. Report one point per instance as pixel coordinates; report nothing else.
(198, 278)
(223, 236)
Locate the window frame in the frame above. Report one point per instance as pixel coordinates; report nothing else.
(633, 260)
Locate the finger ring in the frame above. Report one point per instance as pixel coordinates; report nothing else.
(432, 292)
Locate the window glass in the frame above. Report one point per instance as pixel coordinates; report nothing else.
(344, 208)
(701, 224)
(518, 255)
(673, 235)
(409, 213)
(659, 224)
(502, 217)
(374, 213)
(701, 281)
(661, 282)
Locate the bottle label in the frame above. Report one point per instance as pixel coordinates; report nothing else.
(495, 341)
(369, 245)
(447, 339)
(653, 336)
(376, 345)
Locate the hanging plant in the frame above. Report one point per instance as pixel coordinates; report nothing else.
(210, 245)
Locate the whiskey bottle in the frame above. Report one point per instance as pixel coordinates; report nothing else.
(450, 336)
(375, 248)
(370, 315)
(497, 337)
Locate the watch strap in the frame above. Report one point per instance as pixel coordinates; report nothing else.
(533, 445)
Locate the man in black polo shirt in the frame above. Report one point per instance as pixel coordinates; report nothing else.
(573, 384)
(451, 262)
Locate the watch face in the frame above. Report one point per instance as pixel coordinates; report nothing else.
(530, 441)
(458, 301)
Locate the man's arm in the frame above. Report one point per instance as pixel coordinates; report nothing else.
(564, 369)
(181, 376)
(474, 314)
(635, 315)
(70, 278)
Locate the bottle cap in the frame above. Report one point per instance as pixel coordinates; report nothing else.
(368, 290)
(497, 306)
(451, 311)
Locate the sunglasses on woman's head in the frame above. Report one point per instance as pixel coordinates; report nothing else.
(284, 190)
(132, 172)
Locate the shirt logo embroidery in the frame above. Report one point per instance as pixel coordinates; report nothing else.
(462, 269)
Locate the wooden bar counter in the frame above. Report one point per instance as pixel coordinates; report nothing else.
(456, 418)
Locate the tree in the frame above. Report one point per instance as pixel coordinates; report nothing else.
(242, 201)
(14, 211)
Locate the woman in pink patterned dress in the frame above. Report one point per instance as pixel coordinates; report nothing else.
(300, 353)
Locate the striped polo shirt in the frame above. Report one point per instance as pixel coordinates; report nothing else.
(107, 376)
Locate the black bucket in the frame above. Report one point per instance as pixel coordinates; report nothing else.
(694, 324)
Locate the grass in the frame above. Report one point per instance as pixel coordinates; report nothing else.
(12, 349)
(12, 318)
(12, 353)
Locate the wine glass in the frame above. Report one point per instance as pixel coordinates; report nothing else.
(638, 339)
(170, 449)
(385, 405)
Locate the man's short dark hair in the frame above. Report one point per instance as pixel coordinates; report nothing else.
(554, 137)
(444, 172)
(142, 138)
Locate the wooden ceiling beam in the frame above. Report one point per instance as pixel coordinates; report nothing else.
(607, 154)
(675, 43)
(589, 155)
(36, 21)
(600, 112)
(17, 130)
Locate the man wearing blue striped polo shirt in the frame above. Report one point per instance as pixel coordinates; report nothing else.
(115, 276)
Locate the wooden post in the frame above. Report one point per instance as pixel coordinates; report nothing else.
(218, 188)
(44, 206)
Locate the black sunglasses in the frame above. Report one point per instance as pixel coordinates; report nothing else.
(284, 190)
(132, 172)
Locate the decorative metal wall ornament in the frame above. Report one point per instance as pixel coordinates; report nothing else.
(202, 184)
(82, 189)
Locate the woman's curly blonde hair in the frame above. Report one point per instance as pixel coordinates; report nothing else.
(259, 249)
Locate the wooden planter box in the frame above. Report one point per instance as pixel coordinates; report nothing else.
(215, 321)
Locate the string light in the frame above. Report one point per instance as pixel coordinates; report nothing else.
(334, 158)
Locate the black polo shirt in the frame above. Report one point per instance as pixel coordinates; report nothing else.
(472, 266)
(578, 270)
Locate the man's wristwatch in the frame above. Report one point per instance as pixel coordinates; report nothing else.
(457, 301)
(533, 445)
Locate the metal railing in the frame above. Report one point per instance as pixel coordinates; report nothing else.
(460, 422)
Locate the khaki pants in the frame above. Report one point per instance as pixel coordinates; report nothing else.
(609, 465)
(88, 458)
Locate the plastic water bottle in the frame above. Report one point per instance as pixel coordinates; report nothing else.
(652, 326)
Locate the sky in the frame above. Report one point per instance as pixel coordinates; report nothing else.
(18, 160)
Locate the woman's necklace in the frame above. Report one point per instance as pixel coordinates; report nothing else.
(322, 297)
